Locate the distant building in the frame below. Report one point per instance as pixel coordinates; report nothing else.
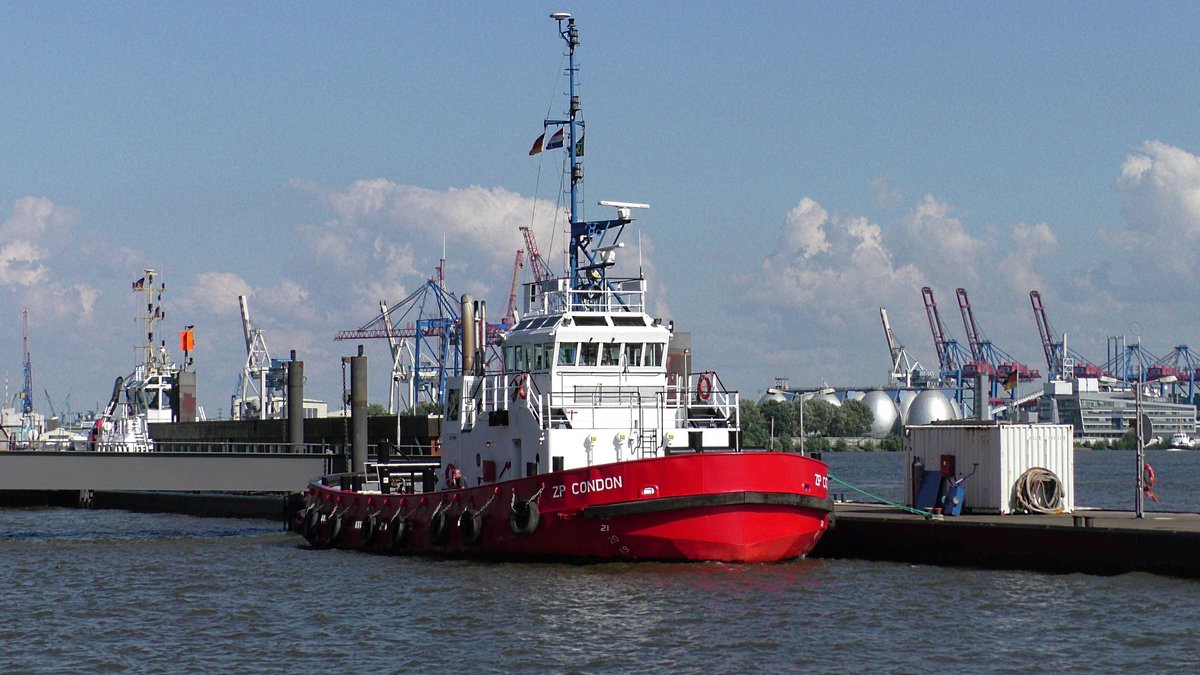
(1108, 415)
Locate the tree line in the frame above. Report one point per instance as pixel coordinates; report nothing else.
(780, 421)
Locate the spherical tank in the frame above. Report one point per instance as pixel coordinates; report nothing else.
(771, 396)
(857, 396)
(830, 398)
(905, 400)
(930, 405)
(885, 412)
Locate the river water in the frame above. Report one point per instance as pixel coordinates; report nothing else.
(96, 591)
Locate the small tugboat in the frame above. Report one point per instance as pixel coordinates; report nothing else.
(146, 394)
(590, 439)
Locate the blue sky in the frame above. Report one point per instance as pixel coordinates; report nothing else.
(806, 164)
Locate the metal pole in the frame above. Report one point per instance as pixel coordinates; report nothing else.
(1141, 454)
(802, 425)
(358, 411)
(295, 403)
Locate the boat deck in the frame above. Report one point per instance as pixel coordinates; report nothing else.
(1088, 541)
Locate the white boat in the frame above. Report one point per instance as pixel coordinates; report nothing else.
(1181, 441)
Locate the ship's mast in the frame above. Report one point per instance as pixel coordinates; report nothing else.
(591, 247)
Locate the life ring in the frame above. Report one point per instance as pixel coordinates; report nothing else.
(704, 387)
(519, 387)
(367, 532)
(470, 527)
(523, 518)
(397, 532)
(439, 528)
(1148, 482)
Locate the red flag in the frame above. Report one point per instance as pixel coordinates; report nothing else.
(537, 145)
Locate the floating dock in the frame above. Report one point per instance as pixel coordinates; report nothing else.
(1086, 541)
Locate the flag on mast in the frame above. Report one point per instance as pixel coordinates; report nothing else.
(556, 141)
(537, 145)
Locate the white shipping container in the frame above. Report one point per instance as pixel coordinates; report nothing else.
(1003, 452)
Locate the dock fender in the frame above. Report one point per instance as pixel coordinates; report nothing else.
(367, 533)
(311, 524)
(397, 532)
(524, 517)
(470, 527)
(439, 528)
(335, 529)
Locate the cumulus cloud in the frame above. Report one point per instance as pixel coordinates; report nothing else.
(1030, 242)
(1159, 188)
(933, 233)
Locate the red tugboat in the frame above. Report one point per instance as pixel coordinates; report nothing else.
(589, 442)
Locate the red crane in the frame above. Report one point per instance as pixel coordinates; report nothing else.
(1057, 351)
(988, 358)
(541, 270)
(945, 347)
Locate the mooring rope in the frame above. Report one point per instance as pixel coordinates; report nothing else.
(902, 507)
(1032, 494)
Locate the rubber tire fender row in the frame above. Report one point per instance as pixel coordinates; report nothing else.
(397, 532)
(439, 528)
(336, 528)
(311, 525)
(366, 535)
(523, 518)
(470, 527)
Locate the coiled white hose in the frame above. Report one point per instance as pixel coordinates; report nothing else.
(1039, 491)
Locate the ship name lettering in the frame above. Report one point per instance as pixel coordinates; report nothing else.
(597, 485)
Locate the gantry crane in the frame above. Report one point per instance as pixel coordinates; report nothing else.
(541, 269)
(1062, 362)
(261, 384)
(987, 358)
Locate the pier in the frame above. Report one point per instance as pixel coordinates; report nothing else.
(1086, 541)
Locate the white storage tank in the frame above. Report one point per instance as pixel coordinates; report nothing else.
(1003, 452)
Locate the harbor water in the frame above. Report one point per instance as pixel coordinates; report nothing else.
(95, 591)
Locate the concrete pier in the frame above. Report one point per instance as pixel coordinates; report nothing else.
(1086, 541)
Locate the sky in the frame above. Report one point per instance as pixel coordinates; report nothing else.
(806, 164)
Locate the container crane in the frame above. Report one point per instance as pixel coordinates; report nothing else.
(951, 355)
(541, 270)
(987, 358)
(1061, 362)
(1184, 364)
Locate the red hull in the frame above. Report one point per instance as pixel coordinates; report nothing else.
(727, 506)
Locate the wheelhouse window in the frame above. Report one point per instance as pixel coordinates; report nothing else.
(540, 359)
(633, 354)
(610, 355)
(588, 353)
(567, 352)
(519, 363)
(509, 364)
(654, 354)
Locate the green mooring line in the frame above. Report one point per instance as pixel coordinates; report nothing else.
(902, 507)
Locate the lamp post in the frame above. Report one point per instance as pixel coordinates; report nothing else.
(1140, 443)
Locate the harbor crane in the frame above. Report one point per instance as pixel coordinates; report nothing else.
(27, 390)
(906, 371)
(423, 333)
(261, 383)
(1061, 361)
(951, 355)
(510, 316)
(541, 269)
(987, 358)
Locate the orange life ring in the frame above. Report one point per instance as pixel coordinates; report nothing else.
(519, 387)
(704, 387)
(1148, 482)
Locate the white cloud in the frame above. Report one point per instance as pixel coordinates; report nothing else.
(1159, 188)
(1030, 242)
(805, 232)
(934, 235)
